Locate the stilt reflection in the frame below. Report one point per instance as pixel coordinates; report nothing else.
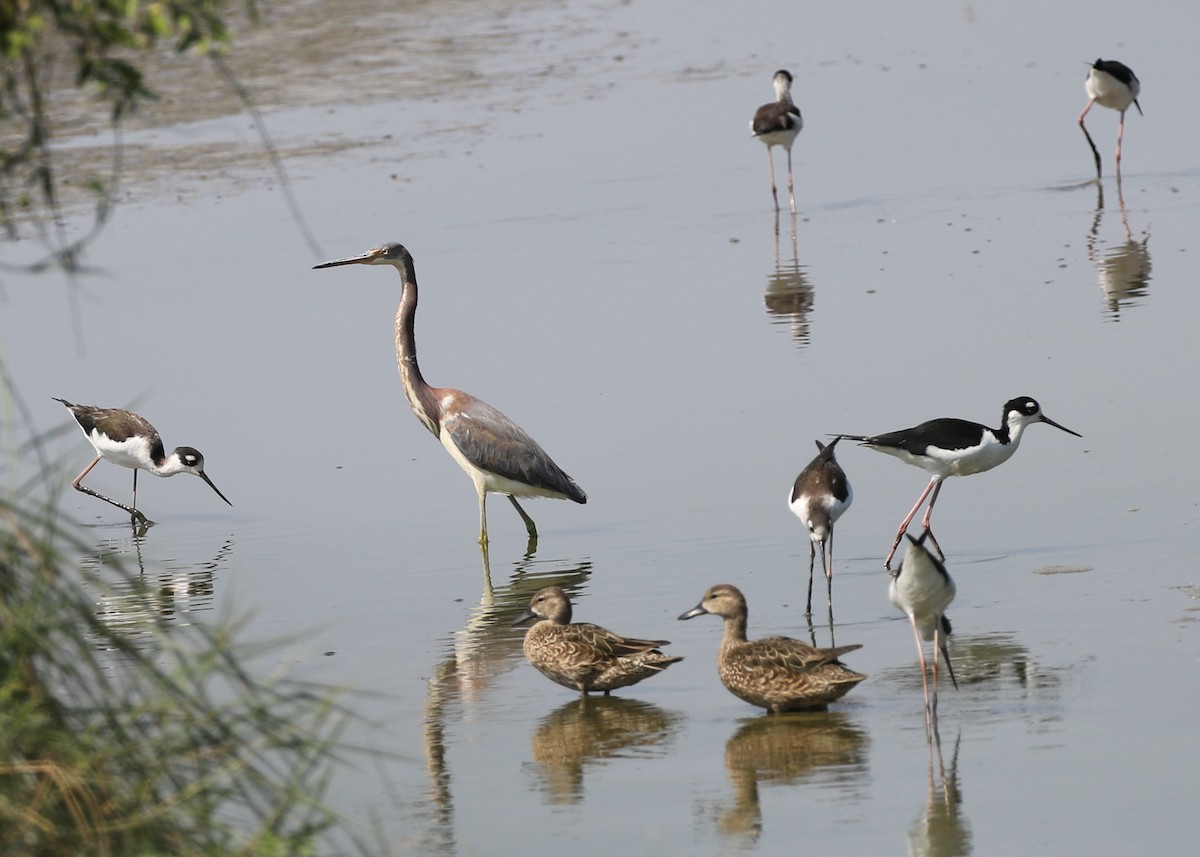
(789, 296)
(137, 601)
(1124, 267)
(997, 657)
(941, 830)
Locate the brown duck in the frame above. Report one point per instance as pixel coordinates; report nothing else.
(775, 673)
(582, 656)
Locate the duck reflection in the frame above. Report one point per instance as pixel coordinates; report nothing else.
(136, 602)
(787, 749)
(486, 647)
(940, 830)
(1124, 267)
(590, 730)
(789, 296)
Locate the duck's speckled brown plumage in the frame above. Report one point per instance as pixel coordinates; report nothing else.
(775, 673)
(582, 656)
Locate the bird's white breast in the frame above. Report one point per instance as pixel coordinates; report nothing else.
(990, 453)
(133, 452)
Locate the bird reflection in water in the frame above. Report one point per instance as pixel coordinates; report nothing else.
(821, 747)
(485, 648)
(941, 830)
(138, 604)
(1017, 681)
(789, 296)
(1124, 268)
(589, 731)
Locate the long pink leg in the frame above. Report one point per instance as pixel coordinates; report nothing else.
(921, 653)
(1120, 136)
(829, 564)
(1095, 151)
(928, 517)
(791, 187)
(937, 636)
(134, 513)
(771, 166)
(912, 513)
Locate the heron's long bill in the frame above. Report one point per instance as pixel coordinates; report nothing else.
(204, 476)
(360, 259)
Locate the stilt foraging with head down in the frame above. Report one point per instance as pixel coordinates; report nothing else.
(1114, 85)
(923, 589)
(124, 438)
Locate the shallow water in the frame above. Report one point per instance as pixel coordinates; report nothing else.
(601, 260)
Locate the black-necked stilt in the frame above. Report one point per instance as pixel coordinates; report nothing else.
(582, 656)
(777, 124)
(494, 451)
(124, 438)
(775, 673)
(952, 447)
(819, 496)
(1114, 85)
(922, 589)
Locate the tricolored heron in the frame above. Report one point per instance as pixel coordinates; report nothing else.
(124, 438)
(498, 455)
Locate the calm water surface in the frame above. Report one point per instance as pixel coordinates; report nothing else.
(600, 259)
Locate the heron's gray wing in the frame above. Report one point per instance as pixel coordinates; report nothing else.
(492, 442)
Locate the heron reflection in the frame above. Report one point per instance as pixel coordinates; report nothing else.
(475, 656)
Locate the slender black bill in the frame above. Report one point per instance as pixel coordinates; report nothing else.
(1049, 421)
(524, 617)
(698, 610)
(204, 476)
